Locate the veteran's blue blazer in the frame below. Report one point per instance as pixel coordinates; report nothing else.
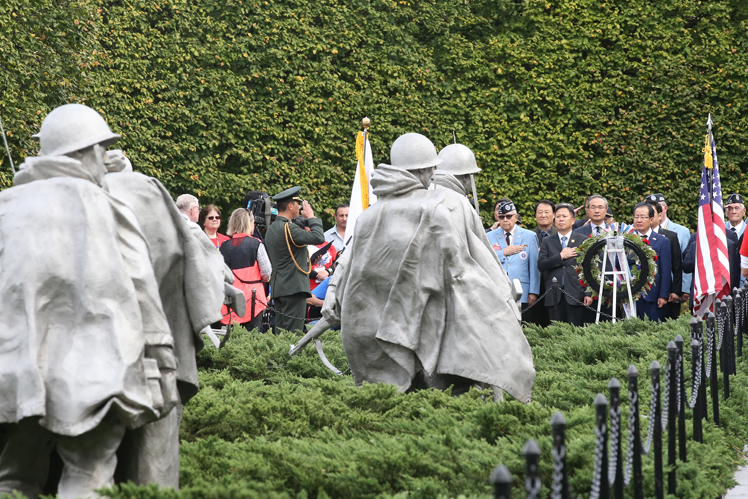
(523, 265)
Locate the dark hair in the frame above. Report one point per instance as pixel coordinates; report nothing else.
(645, 204)
(654, 204)
(206, 211)
(283, 205)
(341, 205)
(545, 201)
(566, 206)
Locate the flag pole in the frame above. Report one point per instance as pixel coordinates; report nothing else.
(710, 168)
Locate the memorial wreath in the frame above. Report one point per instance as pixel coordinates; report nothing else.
(641, 257)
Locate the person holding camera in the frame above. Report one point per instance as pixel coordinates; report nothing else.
(286, 245)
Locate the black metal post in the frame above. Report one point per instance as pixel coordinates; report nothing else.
(616, 432)
(681, 404)
(657, 432)
(672, 413)
(560, 484)
(635, 430)
(711, 334)
(702, 387)
(696, 358)
(725, 345)
(729, 334)
(501, 480)
(531, 451)
(555, 291)
(252, 308)
(600, 479)
(739, 320)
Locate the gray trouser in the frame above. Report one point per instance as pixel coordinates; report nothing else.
(88, 460)
(150, 454)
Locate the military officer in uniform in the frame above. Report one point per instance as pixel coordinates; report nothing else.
(286, 245)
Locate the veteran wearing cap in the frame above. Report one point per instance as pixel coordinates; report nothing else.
(517, 249)
(286, 245)
(735, 208)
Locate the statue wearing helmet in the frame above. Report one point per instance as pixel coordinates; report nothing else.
(87, 350)
(422, 299)
(457, 169)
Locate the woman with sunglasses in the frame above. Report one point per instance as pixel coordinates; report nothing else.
(210, 219)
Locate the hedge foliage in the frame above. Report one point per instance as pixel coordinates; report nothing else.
(557, 99)
(268, 426)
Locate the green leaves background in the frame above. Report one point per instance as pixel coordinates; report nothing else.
(557, 99)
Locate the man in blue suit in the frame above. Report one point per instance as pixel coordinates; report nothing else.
(683, 237)
(517, 249)
(651, 303)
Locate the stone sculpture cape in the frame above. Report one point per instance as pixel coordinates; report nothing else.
(74, 328)
(422, 285)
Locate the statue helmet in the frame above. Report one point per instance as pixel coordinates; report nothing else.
(458, 159)
(73, 127)
(413, 151)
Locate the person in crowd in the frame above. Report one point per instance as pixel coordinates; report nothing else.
(247, 258)
(735, 209)
(322, 264)
(609, 218)
(210, 219)
(557, 258)
(683, 236)
(672, 309)
(189, 206)
(286, 245)
(517, 249)
(496, 213)
(337, 232)
(652, 302)
(544, 215)
(595, 209)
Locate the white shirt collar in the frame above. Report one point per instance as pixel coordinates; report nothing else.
(738, 227)
(567, 236)
(648, 234)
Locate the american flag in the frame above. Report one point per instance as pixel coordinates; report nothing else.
(712, 274)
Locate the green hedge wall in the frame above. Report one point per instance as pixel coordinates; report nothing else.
(557, 99)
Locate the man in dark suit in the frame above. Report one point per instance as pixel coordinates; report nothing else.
(596, 210)
(544, 216)
(672, 309)
(651, 303)
(557, 258)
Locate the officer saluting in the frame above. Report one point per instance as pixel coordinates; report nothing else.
(286, 246)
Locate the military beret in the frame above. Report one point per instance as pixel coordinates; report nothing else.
(735, 198)
(506, 207)
(289, 194)
(656, 197)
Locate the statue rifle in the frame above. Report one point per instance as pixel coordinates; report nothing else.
(7, 149)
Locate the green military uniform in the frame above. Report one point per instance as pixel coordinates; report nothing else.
(289, 285)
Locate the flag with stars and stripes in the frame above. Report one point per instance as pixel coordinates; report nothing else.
(712, 273)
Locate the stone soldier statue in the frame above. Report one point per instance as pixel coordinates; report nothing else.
(422, 294)
(456, 169)
(86, 351)
(286, 244)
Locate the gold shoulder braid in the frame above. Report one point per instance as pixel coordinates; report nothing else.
(287, 231)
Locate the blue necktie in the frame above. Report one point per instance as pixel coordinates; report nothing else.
(563, 245)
